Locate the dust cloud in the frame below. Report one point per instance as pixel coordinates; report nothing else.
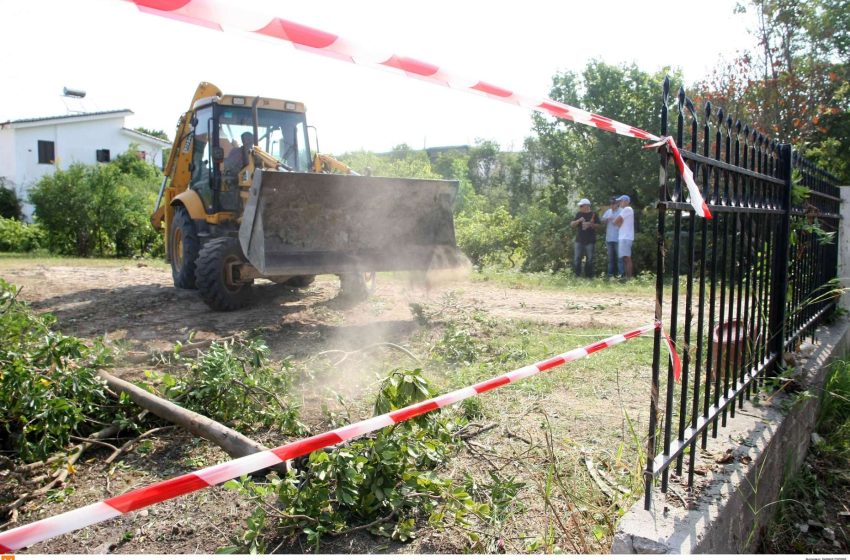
(371, 342)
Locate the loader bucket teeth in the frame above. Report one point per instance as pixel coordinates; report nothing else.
(310, 223)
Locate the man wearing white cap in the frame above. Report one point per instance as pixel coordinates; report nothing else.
(612, 236)
(625, 220)
(585, 224)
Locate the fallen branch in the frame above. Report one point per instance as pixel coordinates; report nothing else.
(203, 344)
(123, 449)
(266, 392)
(481, 430)
(510, 434)
(347, 353)
(393, 346)
(94, 442)
(470, 445)
(135, 357)
(235, 444)
(606, 489)
(61, 473)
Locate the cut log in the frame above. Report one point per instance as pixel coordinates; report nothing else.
(234, 443)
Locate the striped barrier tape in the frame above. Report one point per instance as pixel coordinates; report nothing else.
(221, 14)
(26, 535)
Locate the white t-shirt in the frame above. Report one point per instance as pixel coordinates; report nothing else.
(612, 232)
(627, 228)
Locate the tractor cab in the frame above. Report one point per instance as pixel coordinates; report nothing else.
(228, 142)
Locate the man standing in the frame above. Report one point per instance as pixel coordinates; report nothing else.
(625, 220)
(612, 235)
(585, 223)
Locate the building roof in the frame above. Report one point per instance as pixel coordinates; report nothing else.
(77, 117)
(147, 137)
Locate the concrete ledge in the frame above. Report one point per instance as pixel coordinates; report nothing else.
(732, 502)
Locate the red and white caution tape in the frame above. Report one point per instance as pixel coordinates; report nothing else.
(26, 535)
(674, 356)
(697, 201)
(221, 14)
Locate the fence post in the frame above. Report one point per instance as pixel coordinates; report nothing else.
(844, 245)
(651, 443)
(779, 289)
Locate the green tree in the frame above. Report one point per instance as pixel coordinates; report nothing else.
(151, 132)
(794, 85)
(586, 162)
(99, 209)
(63, 208)
(560, 142)
(493, 238)
(10, 204)
(402, 161)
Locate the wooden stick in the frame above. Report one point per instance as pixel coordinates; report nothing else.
(231, 441)
(119, 451)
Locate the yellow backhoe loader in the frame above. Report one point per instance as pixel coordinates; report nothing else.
(243, 198)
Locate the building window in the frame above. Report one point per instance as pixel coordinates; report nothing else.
(46, 153)
(103, 156)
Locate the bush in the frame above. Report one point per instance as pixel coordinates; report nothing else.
(381, 482)
(234, 384)
(548, 246)
(10, 204)
(99, 209)
(490, 238)
(48, 386)
(18, 237)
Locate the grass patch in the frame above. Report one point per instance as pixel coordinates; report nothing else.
(550, 426)
(8, 260)
(538, 436)
(643, 284)
(812, 515)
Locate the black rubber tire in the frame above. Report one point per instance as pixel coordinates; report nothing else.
(183, 248)
(353, 286)
(299, 281)
(211, 276)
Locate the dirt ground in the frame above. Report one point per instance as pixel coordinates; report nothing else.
(139, 306)
(136, 308)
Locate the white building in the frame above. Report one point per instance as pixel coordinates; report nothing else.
(32, 148)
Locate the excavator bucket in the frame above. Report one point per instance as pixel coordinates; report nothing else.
(313, 223)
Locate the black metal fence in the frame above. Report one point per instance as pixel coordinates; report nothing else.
(744, 287)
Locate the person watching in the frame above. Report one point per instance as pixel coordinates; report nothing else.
(585, 223)
(625, 220)
(612, 235)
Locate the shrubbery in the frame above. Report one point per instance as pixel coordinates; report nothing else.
(382, 482)
(48, 386)
(18, 237)
(99, 209)
(490, 238)
(10, 204)
(236, 385)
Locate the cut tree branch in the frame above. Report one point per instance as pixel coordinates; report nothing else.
(231, 441)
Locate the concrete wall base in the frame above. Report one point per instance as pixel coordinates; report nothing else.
(732, 502)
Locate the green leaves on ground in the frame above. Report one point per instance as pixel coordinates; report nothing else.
(235, 383)
(48, 386)
(381, 483)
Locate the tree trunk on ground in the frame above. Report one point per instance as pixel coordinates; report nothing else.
(234, 443)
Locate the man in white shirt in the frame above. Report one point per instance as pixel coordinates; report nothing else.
(612, 235)
(625, 220)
